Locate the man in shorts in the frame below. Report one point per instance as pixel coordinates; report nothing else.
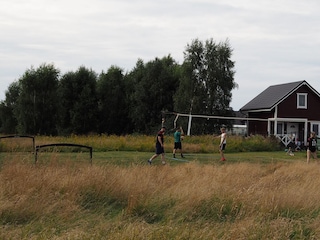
(159, 146)
(178, 136)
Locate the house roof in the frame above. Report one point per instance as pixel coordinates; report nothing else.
(271, 96)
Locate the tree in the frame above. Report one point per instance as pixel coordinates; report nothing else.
(66, 101)
(206, 83)
(8, 108)
(37, 102)
(78, 102)
(154, 85)
(113, 107)
(137, 96)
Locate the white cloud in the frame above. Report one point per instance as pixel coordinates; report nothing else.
(274, 41)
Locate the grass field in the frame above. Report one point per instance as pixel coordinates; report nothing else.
(128, 158)
(253, 195)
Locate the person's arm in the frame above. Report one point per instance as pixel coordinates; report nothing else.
(159, 139)
(216, 136)
(182, 133)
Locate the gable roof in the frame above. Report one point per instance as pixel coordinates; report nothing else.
(273, 95)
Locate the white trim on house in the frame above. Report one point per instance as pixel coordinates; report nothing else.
(295, 89)
(275, 120)
(260, 110)
(315, 127)
(305, 105)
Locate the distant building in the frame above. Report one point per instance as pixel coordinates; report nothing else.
(288, 111)
(239, 127)
(238, 130)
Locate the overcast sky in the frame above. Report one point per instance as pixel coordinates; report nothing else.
(273, 41)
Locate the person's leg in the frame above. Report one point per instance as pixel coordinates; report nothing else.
(181, 152)
(308, 155)
(222, 155)
(163, 159)
(222, 152)
(176, 146)
(153, 157)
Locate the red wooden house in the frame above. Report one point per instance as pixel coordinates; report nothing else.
(288, 111)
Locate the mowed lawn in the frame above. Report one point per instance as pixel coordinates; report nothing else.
(128, 158)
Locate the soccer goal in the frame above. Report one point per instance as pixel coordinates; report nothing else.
(39, 147)
(191, 116)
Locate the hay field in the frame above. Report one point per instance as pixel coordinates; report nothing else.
(251, 196)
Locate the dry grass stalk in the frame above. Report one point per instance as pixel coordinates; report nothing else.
(187, 201)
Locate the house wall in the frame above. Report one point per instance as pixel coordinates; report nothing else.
(288, 107)
(259, 127)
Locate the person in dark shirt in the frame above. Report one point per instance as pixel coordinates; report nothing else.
(311, 146)
(159, 146)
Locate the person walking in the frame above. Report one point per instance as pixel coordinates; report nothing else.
(178, 137)
(223, 143)
(312, 146)
(159, 146)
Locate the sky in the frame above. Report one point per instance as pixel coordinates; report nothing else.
(273, 41)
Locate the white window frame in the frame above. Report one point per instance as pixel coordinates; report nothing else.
(312, 124)
(305, 95)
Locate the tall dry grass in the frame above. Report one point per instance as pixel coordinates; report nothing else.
(144, 143)
(67, 200)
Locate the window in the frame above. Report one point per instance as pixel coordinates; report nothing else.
(279, 128)
(315, 127)
(302, 100)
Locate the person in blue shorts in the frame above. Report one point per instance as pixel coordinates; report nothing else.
(159, 146)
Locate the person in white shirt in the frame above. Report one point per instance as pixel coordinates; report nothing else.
(223, 143)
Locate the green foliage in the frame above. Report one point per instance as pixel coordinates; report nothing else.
(235, 144)
(154, 85)
(37, 101)
(82, 102)
(113, 102)
(8, 109)
(256, 143)
(78, 102)
(206, 83)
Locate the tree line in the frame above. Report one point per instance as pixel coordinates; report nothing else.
(45, 102)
